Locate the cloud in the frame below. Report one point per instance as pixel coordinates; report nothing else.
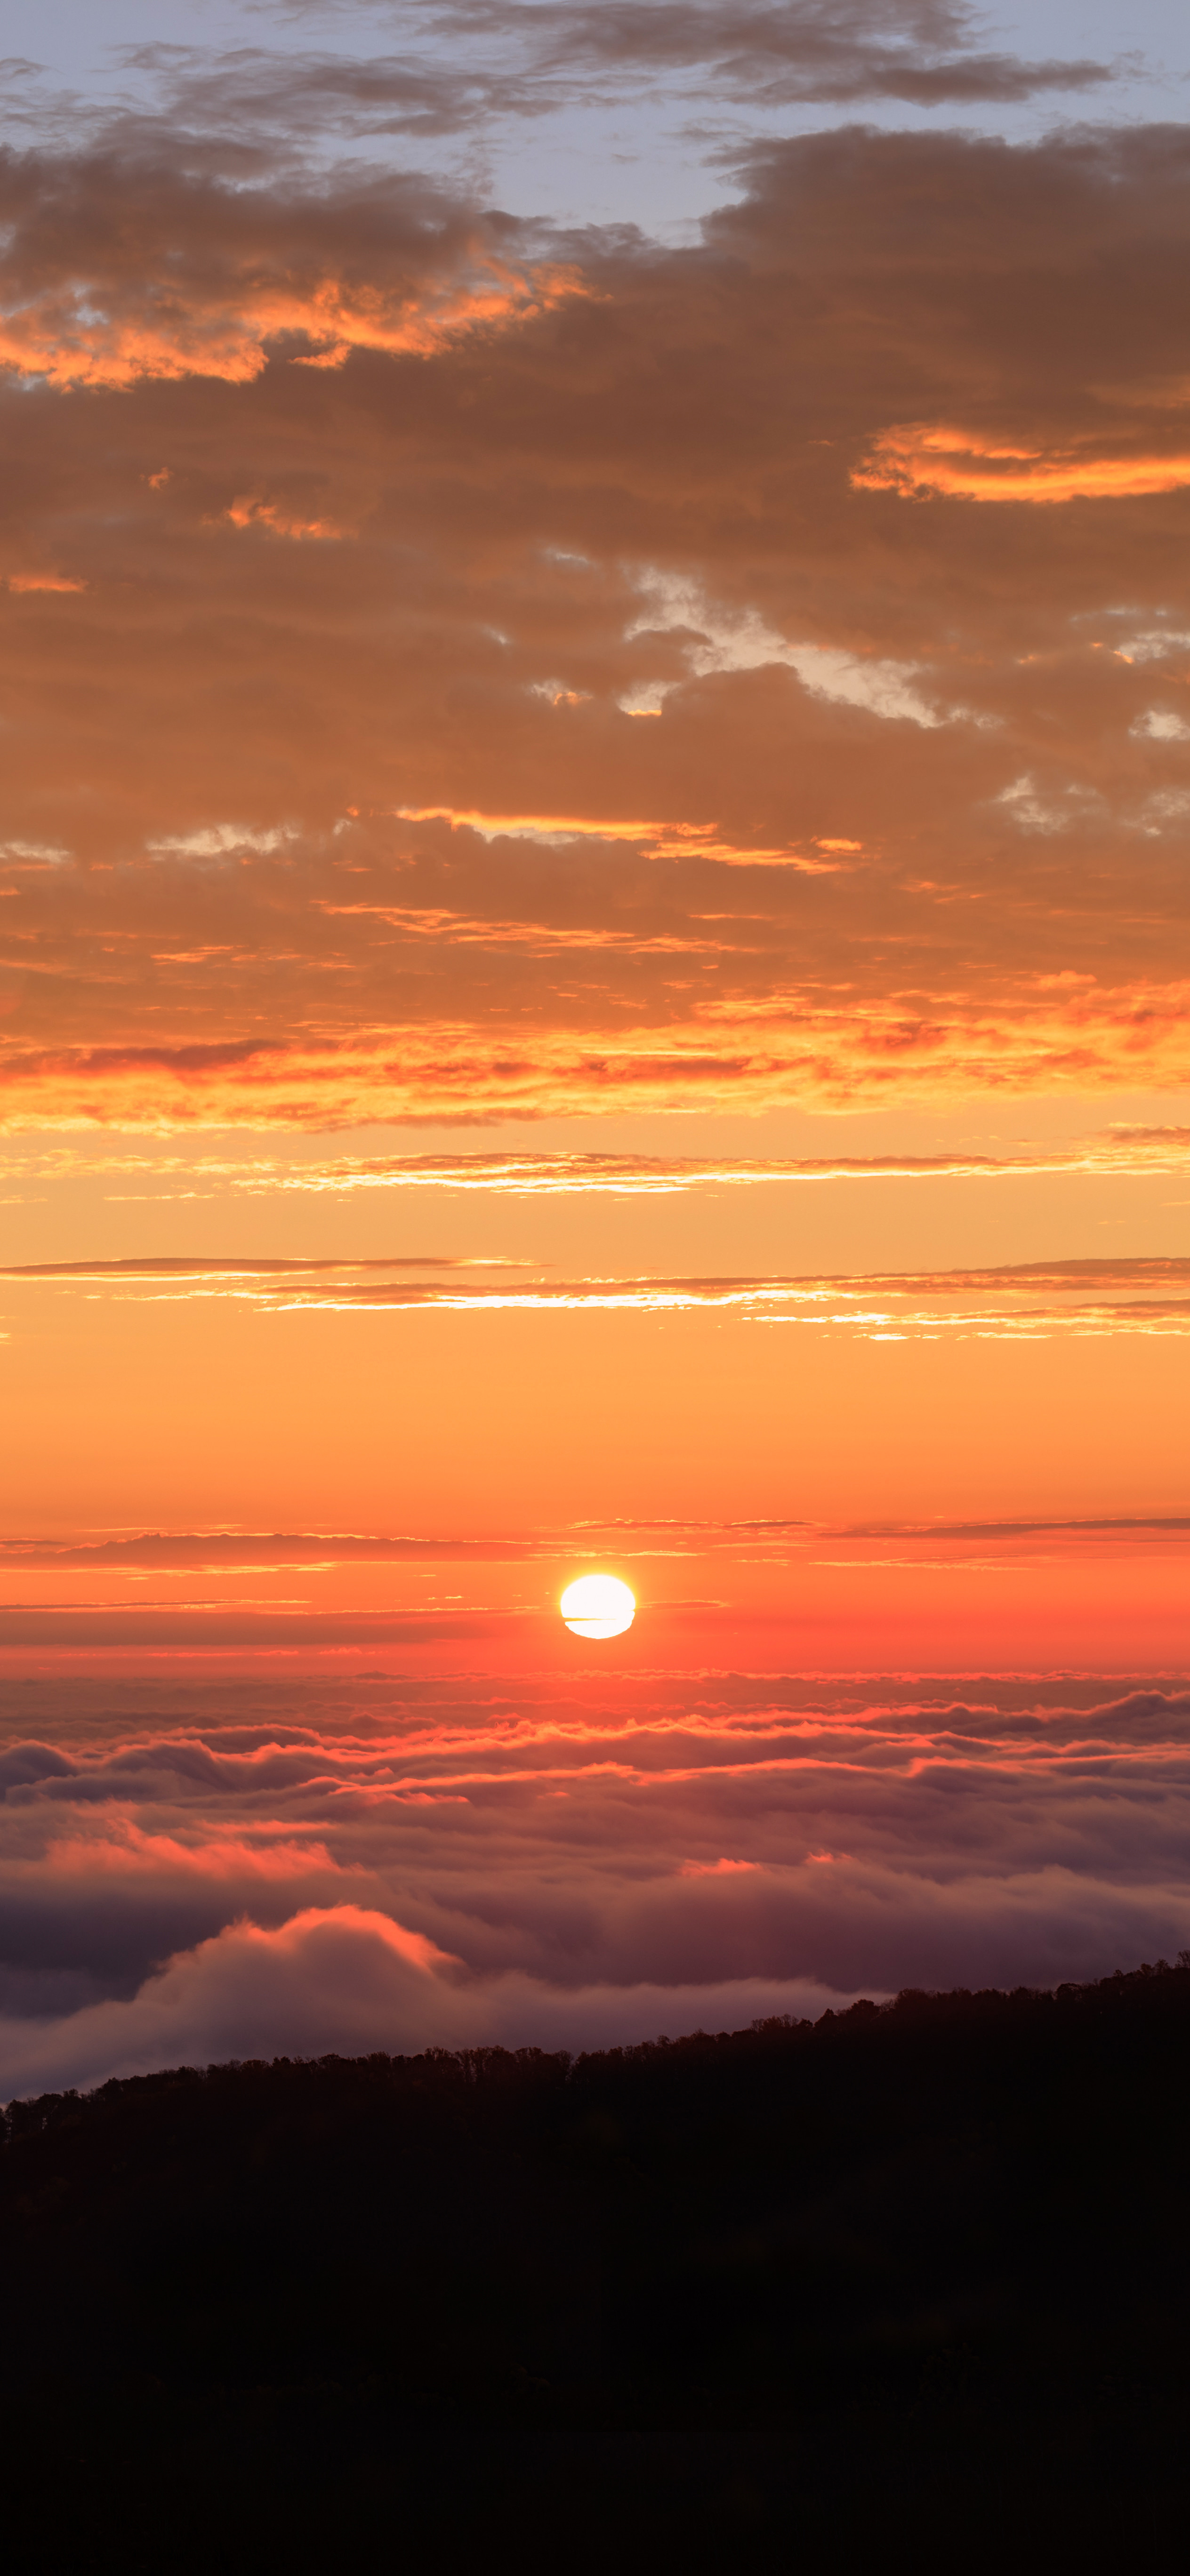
(662, 840)
(217, 1551)
(1155, 646)
(831, 50)
(631, 1175)
(295, 97)
(348, 1973)
(259, 1549)
(200, 278)
(950, 461)
(459, 69)
(538, 1866)
(218, 840)
(251, 510)
(743, 1057)
(745, 643)
(1014, 1301)
(353, 1981)
(900, 820)
(720, 1868)
(521, 1175)
(122, 1849)
(167, 1266)
(900, 824)
(1161, 724)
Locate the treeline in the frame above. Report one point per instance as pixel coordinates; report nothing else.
(920, 2269)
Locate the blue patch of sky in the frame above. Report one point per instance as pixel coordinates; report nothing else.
(654, 151)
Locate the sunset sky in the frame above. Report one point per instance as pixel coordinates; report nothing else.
(594, 975)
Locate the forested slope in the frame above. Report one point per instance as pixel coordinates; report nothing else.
(911, 2276)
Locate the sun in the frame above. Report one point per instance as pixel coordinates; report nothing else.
(598, 1605)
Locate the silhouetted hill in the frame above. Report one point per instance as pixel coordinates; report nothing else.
(910, 2280)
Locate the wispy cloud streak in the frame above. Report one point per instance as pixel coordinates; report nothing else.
(1017, 1300)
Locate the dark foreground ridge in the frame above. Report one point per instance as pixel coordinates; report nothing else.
(911, 2279)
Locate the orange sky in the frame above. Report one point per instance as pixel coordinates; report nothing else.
(593, 969)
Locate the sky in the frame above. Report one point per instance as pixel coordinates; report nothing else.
(595, 694)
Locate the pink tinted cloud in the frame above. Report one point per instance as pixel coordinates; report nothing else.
(124, 1848)
(712, 1831)
(351, 1981)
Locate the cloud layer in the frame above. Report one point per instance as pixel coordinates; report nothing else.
(361, 1865)
(745, 755)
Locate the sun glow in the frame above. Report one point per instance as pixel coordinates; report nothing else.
(598, 1605)
(917, 457)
